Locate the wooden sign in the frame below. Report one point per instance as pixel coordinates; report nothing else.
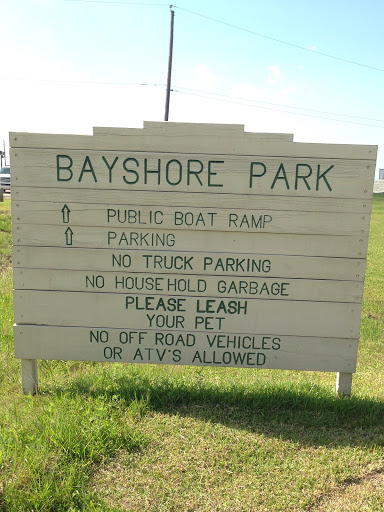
(189, 244)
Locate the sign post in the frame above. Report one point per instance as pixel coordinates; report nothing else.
(189, 244)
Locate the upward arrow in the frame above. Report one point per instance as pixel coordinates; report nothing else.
(68, 236)
(65, 211)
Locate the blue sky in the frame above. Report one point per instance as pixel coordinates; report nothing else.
(67, 66)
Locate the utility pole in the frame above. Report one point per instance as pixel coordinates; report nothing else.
(166, 115)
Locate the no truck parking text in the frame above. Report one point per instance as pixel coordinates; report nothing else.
(208, 263)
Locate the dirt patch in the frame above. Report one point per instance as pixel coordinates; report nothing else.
(364, 494)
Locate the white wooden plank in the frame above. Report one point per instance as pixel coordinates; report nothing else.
(293, 318)
(195, 136)
(174, 129)
(203, 241)
(284, 352)
(207, 173)
(250, 201)
(244, 144)
(189, 262)
(193, 285)
(191, 219)
(189, 130)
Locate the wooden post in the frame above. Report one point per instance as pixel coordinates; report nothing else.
(344, 384)
(29, 376)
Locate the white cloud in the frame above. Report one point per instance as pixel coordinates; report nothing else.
(40, 3)
(284, 93)
(206, 77)
(274, 75)
(249, 91)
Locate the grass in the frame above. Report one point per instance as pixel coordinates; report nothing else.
(110, 437)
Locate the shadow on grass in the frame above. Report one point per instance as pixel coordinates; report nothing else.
(302, 413)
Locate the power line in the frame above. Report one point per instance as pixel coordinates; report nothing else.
(279, 40)
(276, 104)
(276, 109)
(207, 95)
(80, 82)
(248, 31)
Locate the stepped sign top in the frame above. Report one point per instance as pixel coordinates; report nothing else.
(190, 244)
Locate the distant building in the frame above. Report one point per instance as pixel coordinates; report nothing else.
(378, 187)
(381, 174)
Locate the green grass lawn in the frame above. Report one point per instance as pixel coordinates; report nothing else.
(114, 437)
